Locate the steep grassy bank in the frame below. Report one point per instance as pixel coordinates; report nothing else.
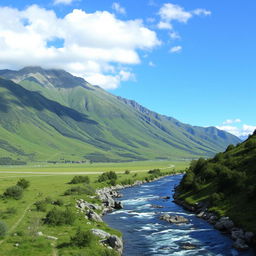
(225, 183)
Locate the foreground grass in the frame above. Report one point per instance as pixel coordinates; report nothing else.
(23, 220)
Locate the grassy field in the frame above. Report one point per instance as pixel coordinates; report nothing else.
(51, 181)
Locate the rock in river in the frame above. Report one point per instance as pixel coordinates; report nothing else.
(174, 219)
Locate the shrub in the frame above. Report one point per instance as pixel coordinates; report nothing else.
(88, 190)
(216, 198)
(3, 229)
(14, 192)
(82, 238)
(127, 172)
(23, 183)
(11, 210)
(230, 147)
(106, 176)
(57, 217)
(48, 200)
(41, 206)
(58, 202)
(80, 179)
(127, 182)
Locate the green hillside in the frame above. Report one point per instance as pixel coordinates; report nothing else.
(227, 183)
(56, 116)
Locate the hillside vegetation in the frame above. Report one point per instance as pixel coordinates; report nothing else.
(227, 183)
(50, 115)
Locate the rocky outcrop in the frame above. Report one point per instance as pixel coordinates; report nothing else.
(94, 216)
(112, 241)
(174, 219)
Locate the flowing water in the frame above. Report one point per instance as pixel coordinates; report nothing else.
(145, 234)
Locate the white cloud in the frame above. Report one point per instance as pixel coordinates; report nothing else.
(232, 121)
(63, 1)
(118, 8)
(96, 46)
(202, 12)
(176, 49)
(151, 64)
(242, 131)
(174, 35)
(172, 12)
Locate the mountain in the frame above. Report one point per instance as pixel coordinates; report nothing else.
(53, 115)
(226, 183)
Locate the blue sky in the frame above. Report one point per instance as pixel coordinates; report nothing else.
(195, 61)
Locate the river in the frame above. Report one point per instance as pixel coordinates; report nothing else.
(144, 234)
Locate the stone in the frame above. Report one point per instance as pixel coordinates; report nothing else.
(165, 197)
(248, 236)
(100, 233)
(240, 244)
(118, 205)
(94, 216)
(174, 219)
(17, 245)
(188, 246)
(39, 233)
(52, 238)
(224, 223)
(237, 234)
(115, 242)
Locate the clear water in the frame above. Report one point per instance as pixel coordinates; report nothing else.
(145, 234)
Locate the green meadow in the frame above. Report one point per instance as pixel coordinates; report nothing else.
(48, 183)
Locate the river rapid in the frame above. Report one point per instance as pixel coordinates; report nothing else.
(145, 234)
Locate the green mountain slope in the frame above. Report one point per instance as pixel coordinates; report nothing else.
(104, 126)
(227, 183)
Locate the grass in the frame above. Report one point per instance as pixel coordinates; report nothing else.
(25, 221)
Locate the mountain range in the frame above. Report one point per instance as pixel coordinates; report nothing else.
(51, 115)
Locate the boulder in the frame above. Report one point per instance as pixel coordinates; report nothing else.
(188, 246)
(115, 242)
(51, 238)
(165, 197)
(248, 236)
(94, 216)
(240, 244)
(237, 234)
(118, 205)
(174, 219)
(100, 233)
(224, 223)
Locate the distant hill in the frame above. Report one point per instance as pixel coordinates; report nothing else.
(227, 183)
(52, 115)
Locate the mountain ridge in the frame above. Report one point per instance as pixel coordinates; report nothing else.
(122, 130)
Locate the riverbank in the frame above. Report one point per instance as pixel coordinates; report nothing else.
(145, 233)
(243, 240)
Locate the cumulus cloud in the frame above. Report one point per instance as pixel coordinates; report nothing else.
(63, 1)
(96, 46)
(241, 132)
(118, 8)
(172, 12)
(176, 49)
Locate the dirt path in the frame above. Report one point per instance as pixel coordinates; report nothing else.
(15, 225)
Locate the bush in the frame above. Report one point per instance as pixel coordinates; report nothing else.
(11, 210)
(88, 190)
(106, 176)
(216, 199)
(14, 192)
(82, 238)
(80, 179)
(48, 200)
(23, 183)
(127, 182)
(127, 172)
(41, 206)
(57, 217)
(3, 229)
(58, 202)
